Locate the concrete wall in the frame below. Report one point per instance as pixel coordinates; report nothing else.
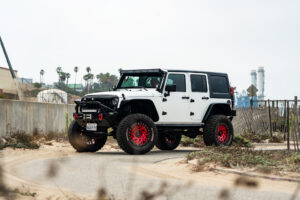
(30, 117)
(7, 82)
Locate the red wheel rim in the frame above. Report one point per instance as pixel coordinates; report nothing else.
(222, 133)
(169, 139)
(139, 134)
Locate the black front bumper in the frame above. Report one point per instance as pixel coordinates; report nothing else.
(94, 112)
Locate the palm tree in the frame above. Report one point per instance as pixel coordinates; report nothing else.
(75, 70)
(68, 75)
(88, 77)
(42, 72)
(88, 69)
(63, 76)
(59, 71)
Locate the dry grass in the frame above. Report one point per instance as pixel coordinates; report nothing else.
(19, 140)
(259, 138)
(232, 157)
(192, 142)
(240, 141)
(22, 140)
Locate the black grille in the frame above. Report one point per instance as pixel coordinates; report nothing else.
(93, 104)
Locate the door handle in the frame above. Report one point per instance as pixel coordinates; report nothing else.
(185, 97)
(205, 98)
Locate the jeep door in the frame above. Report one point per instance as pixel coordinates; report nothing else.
(199, 96)
(176, 106)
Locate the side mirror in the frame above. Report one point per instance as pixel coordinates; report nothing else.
(170, 88)
(114, 88)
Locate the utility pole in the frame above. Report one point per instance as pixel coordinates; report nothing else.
(20, 94)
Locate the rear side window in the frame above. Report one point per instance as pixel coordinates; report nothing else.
(178, 80)
(198, 83)
(219, 84)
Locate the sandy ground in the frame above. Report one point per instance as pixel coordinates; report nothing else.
(180, 170)
(172, 169)
(10, 158)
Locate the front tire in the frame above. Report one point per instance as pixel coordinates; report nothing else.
(82, 142)
(167, 141)
(218, 130)
(136, 134)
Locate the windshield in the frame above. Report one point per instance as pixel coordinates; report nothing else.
(143, 80)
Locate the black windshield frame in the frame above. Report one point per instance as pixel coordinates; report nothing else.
(159, 75)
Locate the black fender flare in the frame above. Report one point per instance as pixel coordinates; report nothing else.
(226, 110)
(128, 103)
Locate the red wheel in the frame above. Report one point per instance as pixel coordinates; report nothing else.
(218, 130)
(139, 134)
(168, 141)
(136, 134)
(222, 133)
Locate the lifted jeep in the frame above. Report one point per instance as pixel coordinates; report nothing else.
(155, 107)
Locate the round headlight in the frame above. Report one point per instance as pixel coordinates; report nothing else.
(115, 101)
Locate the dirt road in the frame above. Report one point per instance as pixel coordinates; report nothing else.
(58, 171)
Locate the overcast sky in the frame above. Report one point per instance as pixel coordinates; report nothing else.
(227, 36)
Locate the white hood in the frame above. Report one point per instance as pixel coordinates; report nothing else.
(130, 93)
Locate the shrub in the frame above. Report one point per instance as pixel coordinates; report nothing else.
(37, 85)
(240, 141)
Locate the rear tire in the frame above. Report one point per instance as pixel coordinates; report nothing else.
(168, 141)
(218, 130)
(136, 134)
(82, 142)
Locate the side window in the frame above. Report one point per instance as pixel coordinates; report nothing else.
(198, 83)
(219, 84)
(178, 80)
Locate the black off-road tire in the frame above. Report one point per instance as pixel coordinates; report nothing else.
(168, 141)
(129, 130)
(78, 140)
(213, 130)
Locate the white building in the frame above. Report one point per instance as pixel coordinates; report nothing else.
(53, 96)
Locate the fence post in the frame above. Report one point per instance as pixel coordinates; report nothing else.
(288, 124)
(277, 109)
(295, 137)
(285, 114)
(270, 119)
(265, 104)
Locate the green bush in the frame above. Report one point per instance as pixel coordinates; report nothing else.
(192, 142)
(37, 85)
(240, 141)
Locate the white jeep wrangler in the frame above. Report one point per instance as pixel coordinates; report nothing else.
(155, 107)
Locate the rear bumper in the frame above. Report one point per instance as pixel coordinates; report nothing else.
(233, 112)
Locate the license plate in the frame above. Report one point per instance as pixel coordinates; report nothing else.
(89, 110)
(91, 127)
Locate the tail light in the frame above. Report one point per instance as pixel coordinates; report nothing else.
(232, 90)
(75, 116)
(100, 117)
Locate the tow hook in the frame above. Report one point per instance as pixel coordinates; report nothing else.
(100, 117)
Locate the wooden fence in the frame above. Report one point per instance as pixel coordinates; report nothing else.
(271, 117)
